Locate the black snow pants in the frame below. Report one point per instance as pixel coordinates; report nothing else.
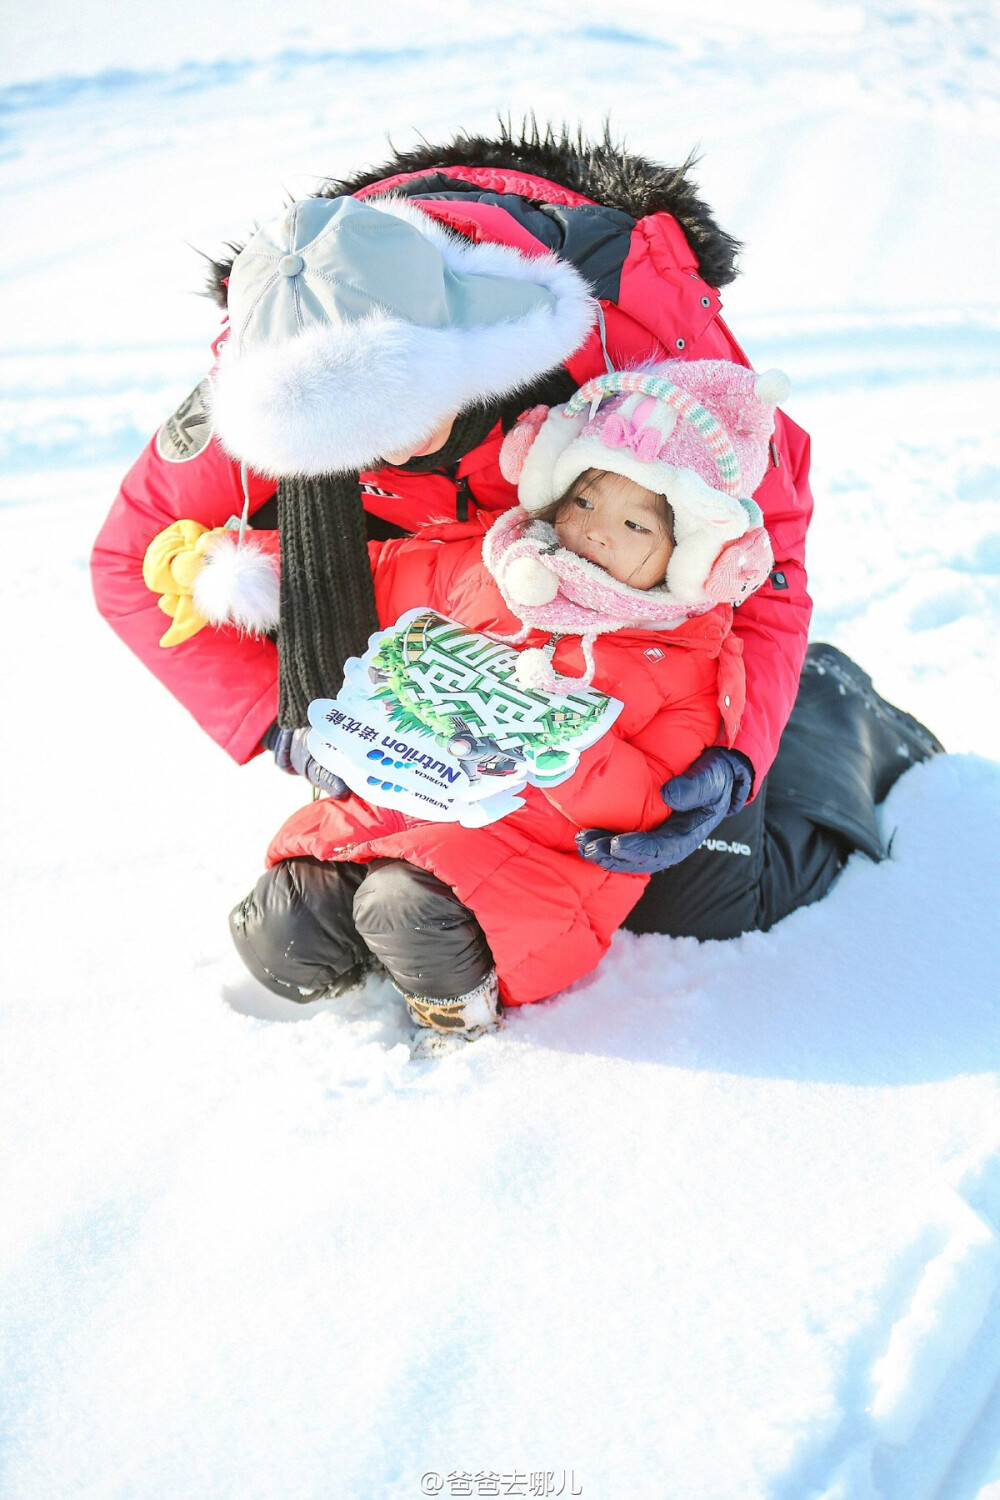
(843, 749)
(311, 928)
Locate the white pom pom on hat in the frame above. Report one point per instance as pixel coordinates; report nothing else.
(772, 387)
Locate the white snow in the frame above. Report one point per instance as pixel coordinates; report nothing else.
(948, 1308)
(723, 1221)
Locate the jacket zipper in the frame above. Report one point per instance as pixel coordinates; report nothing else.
(463, 490)
(463, 495)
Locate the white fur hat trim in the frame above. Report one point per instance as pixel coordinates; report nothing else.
(328, 366)
(704, 521)
(536, 487)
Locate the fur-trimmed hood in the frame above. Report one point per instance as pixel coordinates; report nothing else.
(600, 170)
(359, 327)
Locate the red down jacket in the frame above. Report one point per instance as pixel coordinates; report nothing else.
(655, 303)
(548, 915)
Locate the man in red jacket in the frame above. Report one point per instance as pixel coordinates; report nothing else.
(378, 348)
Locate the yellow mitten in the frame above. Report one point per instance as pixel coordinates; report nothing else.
(173, 560)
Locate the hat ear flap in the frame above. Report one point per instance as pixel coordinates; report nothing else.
(740, 567)
(519, 439)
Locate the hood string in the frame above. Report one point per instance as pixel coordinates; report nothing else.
(604, 339)
(246, 506)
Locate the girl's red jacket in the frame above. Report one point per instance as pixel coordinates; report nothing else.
(548, 915)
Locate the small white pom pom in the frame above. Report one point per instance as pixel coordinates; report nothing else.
(237, 586)
(530, 582)
(772, 387)
(534, 670)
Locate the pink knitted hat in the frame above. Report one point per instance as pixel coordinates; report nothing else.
(695, 431)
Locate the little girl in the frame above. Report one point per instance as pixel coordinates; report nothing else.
(633, 541)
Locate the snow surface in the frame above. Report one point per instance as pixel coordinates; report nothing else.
(724, 1220)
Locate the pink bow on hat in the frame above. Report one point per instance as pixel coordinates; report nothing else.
(632, 433)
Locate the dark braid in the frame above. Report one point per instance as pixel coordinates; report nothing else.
(327, 597)
(327, 609)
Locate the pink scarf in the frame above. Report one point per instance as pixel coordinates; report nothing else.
(549, 588)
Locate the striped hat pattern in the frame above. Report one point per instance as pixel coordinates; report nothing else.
(696, 431)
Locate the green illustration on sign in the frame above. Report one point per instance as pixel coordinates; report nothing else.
(436, 675)
(433, 722)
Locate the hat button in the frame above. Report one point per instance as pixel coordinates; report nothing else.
(290, 265)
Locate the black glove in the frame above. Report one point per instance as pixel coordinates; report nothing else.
(713, 787)
(291, 754)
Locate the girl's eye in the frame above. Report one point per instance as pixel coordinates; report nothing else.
(634, 526)
(582, 502)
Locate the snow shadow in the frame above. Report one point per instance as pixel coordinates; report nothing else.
(888, 980)
(891, 979)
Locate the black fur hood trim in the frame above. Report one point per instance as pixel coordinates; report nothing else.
(600, 170)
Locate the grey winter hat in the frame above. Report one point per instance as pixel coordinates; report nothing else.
(358, 328)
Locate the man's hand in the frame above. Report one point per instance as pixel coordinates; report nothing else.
(291, 754)
(714, 787)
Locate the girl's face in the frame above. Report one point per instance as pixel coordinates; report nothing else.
(615, 523)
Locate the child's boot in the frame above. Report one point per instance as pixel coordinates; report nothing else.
(427, 941)
(445, 1025)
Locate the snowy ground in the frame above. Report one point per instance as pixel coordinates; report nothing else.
(722, 1222)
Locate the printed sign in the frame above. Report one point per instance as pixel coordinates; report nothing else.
(432, 721)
